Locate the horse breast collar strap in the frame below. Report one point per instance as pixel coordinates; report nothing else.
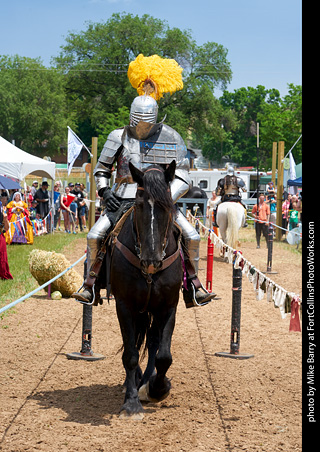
(134, 260)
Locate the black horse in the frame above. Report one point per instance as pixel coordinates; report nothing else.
(146, 276)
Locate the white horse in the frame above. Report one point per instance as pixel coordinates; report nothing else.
(230, 218)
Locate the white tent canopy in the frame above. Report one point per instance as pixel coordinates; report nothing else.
(18, 164)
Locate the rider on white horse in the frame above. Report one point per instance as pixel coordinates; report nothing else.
(229, 189)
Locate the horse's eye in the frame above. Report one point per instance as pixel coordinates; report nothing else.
(139, 194)
(139, 199)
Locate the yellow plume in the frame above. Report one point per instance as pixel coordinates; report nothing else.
(155, 75)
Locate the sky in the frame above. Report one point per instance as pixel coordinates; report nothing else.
(263, 37)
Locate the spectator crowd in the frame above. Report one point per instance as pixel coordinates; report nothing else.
(36, 210)
(265, 212)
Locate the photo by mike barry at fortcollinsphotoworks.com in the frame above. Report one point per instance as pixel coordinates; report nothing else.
(309, 342)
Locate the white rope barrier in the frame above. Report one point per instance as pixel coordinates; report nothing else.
(273, 224)
(14, 303)
(262, 284)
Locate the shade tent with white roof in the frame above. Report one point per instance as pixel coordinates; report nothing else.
(18, 164)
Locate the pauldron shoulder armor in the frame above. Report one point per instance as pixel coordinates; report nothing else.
(109, 152)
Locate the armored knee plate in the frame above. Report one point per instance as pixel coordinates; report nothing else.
(95, 237)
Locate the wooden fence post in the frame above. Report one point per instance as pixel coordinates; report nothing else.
(92, 209)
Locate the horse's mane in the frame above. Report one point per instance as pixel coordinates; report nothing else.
(157, 189)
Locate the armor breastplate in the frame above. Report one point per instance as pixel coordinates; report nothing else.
(160, 148)
(152, 152)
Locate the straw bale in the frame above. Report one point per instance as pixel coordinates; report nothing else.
(45, 265)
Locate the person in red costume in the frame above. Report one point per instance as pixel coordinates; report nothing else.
(66, 200)
(4, 265)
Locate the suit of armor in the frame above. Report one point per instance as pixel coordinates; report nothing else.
(161, 148)
(229, 189)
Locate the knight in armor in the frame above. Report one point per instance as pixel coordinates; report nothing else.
(143, 142)
(228, 188)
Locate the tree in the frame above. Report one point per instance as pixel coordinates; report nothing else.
(113, 121)
(33, 108)
(279, 120)
(246, 107)
(96, 60)
(283, 122)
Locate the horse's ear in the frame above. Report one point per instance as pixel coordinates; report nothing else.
(136, 174)
(170, 171)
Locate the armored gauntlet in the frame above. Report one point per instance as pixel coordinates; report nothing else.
(111, 202)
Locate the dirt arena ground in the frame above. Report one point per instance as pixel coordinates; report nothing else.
(49, 403)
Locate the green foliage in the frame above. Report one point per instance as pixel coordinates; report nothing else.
(283, 122)
(111, 122)
(33, 104)
(279, 119)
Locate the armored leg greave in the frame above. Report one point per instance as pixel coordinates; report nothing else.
(95, 237)
(191, 239)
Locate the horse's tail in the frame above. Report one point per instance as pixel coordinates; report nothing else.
(232, 229)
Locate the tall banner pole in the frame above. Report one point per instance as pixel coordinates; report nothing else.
(280, 189)
(258, 181)
(92, 182)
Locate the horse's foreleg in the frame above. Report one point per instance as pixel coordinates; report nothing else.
(159, 384)
(132, 406)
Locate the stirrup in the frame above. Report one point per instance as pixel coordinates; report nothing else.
(86, 302)
(211, 295)
(190, 299)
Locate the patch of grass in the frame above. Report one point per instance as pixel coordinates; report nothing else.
(18, 257)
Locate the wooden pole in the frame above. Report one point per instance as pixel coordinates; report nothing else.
(274, 162)
(280, 188)
(258, 182)
(92, 182)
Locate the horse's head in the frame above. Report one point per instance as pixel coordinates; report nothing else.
(154, 214)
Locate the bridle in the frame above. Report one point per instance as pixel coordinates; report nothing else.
(151, 269)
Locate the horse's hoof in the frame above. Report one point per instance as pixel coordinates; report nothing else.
(164, 396)
(144, 393)
(134, 417)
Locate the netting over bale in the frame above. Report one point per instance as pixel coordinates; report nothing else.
(45, 265)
